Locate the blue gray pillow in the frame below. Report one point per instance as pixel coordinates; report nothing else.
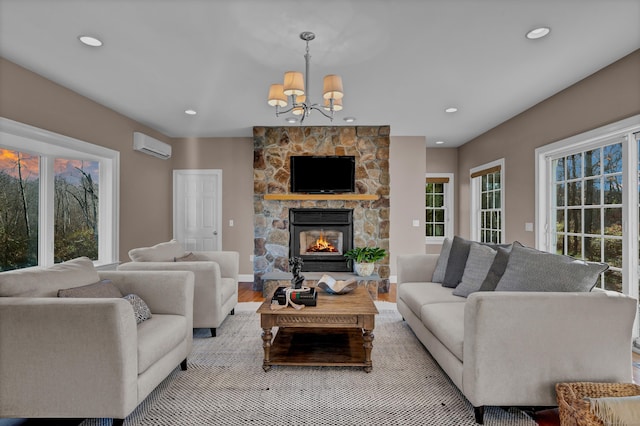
(478, 263)
(441, 265)
(529, 269)
(497, 269)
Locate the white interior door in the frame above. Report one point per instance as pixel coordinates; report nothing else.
(197, 209)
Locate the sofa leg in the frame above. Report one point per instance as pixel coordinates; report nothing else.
(233, 311)
(117, 422)
(183, 365)
(213, 332)
(479, 413)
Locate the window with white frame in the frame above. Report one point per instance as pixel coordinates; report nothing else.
(487, 201)
(58, 198)
(438, 207)
(587, 203)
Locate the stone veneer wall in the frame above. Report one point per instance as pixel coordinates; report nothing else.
(272, 147)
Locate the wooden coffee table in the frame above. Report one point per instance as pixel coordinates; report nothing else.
(336, 332)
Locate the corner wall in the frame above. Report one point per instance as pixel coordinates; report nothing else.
(145, 181)
(607, 96)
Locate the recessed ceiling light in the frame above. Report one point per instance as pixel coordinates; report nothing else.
(190, 112)
(349, 119)
(538, 33)
(291, 120)
(451, 109)
(90, 41)
(439, 142)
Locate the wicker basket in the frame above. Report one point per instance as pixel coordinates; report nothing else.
(575, 411)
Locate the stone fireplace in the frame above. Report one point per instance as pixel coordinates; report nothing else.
(275, 206)
(321, 237)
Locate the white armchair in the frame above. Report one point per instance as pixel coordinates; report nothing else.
(216, 277)
(63, 357)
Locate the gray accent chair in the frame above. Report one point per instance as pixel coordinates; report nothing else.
(64, 357)
(216, 277)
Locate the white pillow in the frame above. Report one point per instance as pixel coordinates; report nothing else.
(163, 252)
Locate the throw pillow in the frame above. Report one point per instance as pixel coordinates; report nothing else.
(103, 288)
(529, 269)
(162, 252)
(456, 262)
(140, 309)
(189, 257)
(497, 269)
(478, 264)
(441, 265)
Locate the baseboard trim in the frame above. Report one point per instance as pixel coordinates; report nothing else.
(245, 278)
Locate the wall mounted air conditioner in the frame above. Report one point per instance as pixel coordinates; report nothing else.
(151, 146)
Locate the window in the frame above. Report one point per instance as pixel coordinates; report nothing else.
(438, 207)
(58, 198)
(587, 208)
(587, 200)
(487, 201)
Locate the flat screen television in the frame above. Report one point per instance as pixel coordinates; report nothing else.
(323, 174)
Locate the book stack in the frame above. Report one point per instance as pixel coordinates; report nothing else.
(307, 297)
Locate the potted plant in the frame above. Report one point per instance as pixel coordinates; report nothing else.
(364, 259)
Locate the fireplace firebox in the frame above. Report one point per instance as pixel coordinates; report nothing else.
(321, 237)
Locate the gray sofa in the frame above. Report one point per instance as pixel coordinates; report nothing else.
(77, 357)
(509, 348)
(216, 277)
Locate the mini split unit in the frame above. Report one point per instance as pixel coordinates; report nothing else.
(151, 146)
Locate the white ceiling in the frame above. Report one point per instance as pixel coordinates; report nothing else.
(402, 62)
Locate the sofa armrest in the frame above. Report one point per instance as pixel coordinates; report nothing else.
(63, 353)
(229, 261)
(517, 345)
(416, 267)
(166, 292)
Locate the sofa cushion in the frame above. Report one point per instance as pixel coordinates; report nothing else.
(140, 308)
(446, 322)
(529, 269)
(416, 295)
(475, 271)
(157, 337)
(441, 265)
(103, 288)
(45, 282)
(162, 252)
(497, 269)
(456, 262)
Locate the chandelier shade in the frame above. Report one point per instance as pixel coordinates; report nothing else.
(293, 83)
(332, 87)
(277, 96)
(295, 90)
(337, 104)
(299, 110)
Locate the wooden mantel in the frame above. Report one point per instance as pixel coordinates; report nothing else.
(350, 197)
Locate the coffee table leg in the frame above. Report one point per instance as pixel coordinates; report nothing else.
(266, 344)
(367, 335)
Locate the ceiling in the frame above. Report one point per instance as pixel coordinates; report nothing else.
(402, 62)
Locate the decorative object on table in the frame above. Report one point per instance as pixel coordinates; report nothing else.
(295, 265)
(305, 296)
(296, 298)
(333, 286)
(364, 259)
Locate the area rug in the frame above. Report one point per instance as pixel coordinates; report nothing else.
(225, 385)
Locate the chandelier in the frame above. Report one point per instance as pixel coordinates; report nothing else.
(294, 86)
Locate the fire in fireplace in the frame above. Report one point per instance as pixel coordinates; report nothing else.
(321, 237)
(325, 242)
